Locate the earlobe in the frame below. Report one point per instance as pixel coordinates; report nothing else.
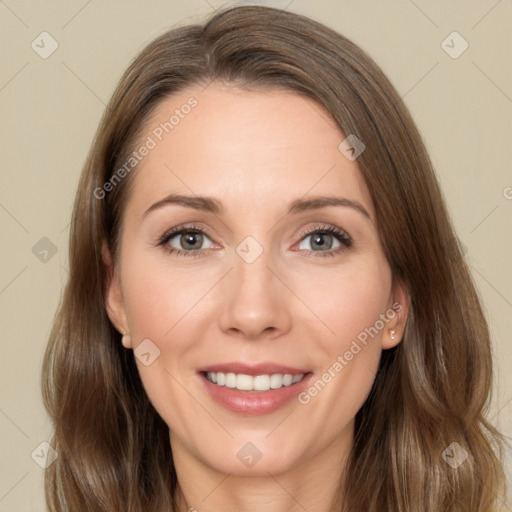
(400, 310)
(113, 297)
(126, 340)
(390, 339)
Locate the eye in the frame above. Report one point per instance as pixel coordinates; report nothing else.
(325, 241)
(189, 240)
(185, 241)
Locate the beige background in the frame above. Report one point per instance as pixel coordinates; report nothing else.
(50, 109)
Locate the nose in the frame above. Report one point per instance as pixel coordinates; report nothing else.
(255, 302)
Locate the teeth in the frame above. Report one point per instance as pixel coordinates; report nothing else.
(244, 382)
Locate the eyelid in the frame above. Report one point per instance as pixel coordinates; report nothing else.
(331, 229)
(171, 233)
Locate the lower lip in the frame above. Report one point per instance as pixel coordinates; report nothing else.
(253, 403)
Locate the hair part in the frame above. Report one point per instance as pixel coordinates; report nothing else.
(430, 390)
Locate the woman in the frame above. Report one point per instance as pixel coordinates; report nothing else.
(267, 306)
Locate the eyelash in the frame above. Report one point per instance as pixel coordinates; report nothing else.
(341, 236)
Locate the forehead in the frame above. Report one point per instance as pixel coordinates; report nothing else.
(244, 146)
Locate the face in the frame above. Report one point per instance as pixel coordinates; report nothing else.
(248, 276)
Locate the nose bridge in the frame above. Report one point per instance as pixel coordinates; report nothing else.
(254, 300)
(252, 270)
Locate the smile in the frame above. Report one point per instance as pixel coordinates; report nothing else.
(252, 390)
(243, 382)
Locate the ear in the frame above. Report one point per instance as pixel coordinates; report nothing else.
(114, 303)
(396, 314)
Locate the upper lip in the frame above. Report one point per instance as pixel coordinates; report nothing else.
(252, 369)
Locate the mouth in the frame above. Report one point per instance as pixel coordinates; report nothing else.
(253, 389)
(257, 383)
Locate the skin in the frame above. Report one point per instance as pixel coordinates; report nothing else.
(255, 151)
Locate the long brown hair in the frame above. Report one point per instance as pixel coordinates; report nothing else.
(432, 390)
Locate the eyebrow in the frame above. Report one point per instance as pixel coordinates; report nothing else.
(212, 205)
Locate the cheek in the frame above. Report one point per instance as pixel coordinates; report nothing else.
(164, 305)
(347, 300)
(161, 298)
(350, 302)
(351, 348)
